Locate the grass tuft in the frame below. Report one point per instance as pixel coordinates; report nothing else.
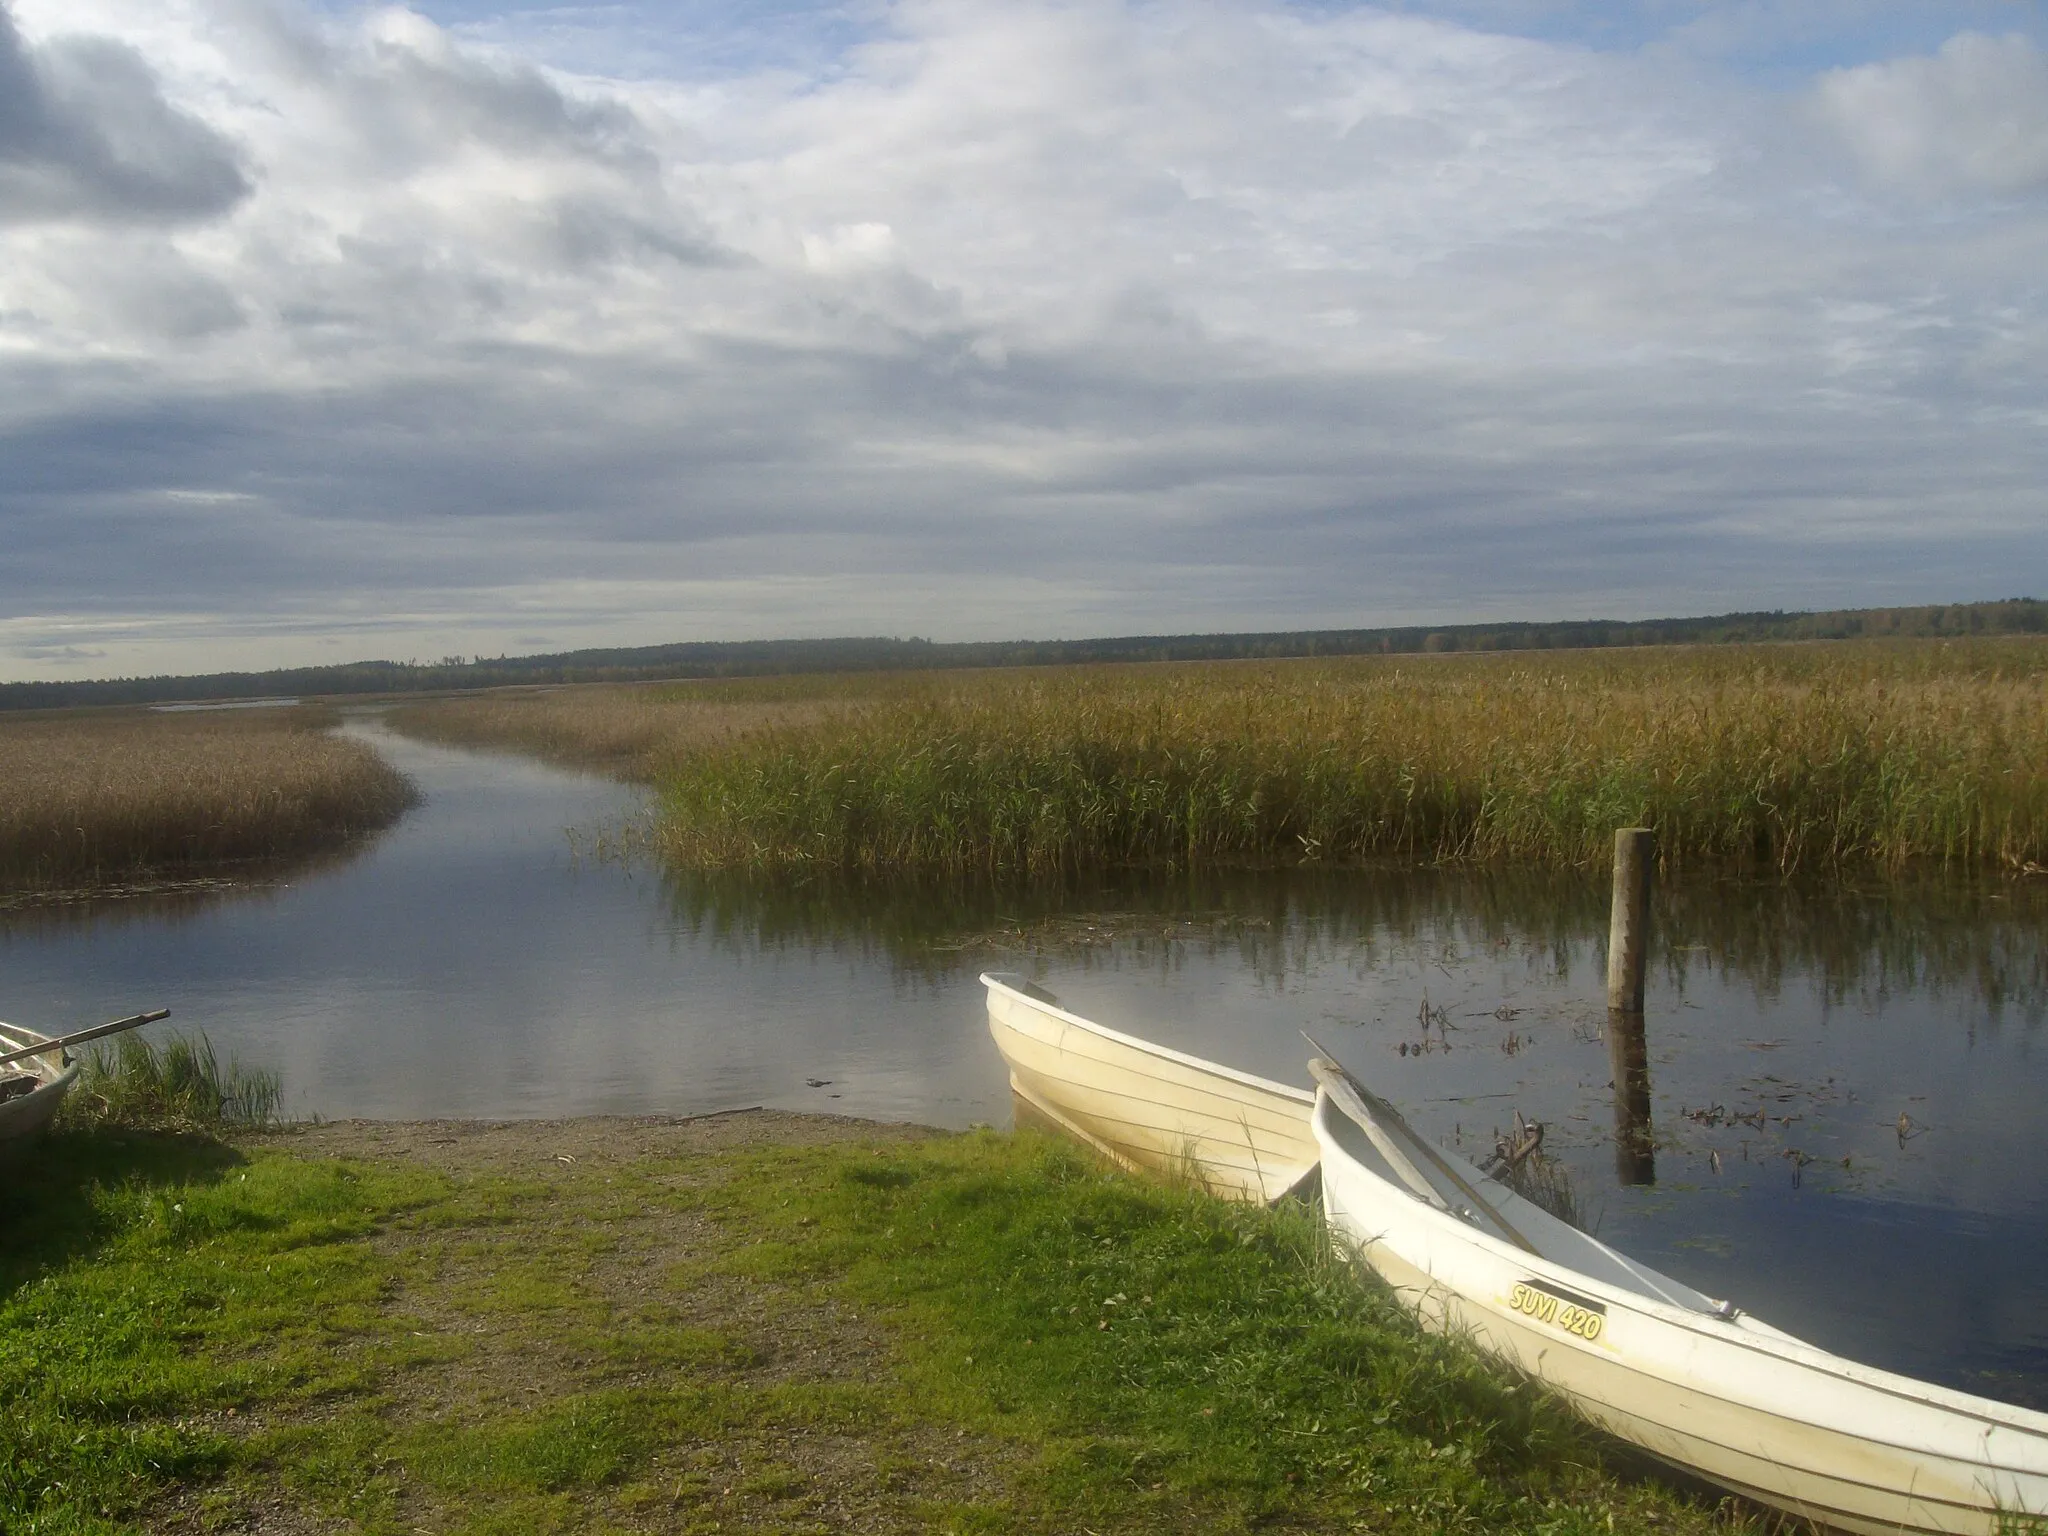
(179, 1084)
(1546, 1182)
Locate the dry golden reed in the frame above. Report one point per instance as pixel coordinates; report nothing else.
(87, 799)
(633, 730)
(1789, 756)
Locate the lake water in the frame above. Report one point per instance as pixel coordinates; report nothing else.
(471, 962)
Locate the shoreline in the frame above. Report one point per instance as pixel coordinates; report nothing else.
(754, 1320)
(752, 1125)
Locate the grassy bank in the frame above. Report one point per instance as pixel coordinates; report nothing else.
(1786, 757)
(91, 799)
(756, 1323)
(169, 1083)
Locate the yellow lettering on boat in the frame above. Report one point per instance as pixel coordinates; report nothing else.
(1581, 1320)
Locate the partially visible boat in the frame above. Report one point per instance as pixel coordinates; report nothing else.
(1694, 1381)
(1149, 1109)
(37, 1070)
(32, 1088)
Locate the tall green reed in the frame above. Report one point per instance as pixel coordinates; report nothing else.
(1784, 756)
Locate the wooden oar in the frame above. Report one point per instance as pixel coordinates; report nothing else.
(96, 1032)
(1379, 1109)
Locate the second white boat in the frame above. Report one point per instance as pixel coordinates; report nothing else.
(1693, 1381)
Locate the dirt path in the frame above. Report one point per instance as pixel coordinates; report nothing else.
(601, 1274)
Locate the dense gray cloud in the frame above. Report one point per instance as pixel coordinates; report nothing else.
(1014, 319)
(85, 133)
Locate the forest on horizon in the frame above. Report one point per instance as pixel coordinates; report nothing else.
(761, 658)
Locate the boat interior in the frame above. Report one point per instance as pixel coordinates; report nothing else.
(1398, 1155)
(21, 1078)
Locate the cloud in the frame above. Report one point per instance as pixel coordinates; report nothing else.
(998, 318)
(65, 655)
(1972, 118)
(85, 134)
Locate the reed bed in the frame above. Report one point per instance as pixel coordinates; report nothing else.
(93, 799)
(1787, 757)
(635, 732)
(1783, 757)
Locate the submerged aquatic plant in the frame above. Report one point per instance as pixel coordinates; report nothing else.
(180, 1084)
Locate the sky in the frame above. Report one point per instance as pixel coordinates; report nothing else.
(331, 332)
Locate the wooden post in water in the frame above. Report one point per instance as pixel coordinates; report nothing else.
(1628, 1051)
(1628, 924)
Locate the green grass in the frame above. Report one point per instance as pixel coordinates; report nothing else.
(185, 1327)
(153, 1286)
(1175, 1360)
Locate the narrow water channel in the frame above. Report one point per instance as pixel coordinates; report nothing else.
(471, 964)
(1846, 1080)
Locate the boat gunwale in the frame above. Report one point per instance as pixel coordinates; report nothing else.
(14, 1037)
(1601, 1412)
(1777, 1345)
(1001, 980)
(1292, 1125)
(1254, 1166)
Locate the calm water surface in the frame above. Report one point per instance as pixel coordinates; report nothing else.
(470, 963)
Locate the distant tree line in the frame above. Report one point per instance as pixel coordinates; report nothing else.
(761, 658)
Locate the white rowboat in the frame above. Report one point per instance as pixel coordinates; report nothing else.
(24, 1115)
(1693, 1381)
(1149, 1109)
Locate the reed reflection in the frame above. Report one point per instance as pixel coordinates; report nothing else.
(171, 900)
(1984, 940)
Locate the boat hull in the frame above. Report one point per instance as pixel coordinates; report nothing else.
(1149, 1109)
(24, 1119)
(1725, 1397)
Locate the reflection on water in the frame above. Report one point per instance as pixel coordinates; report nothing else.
(172, 899)
(1635, 1118)
(1843, 1080)
(468, 964)
(1844, 942)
